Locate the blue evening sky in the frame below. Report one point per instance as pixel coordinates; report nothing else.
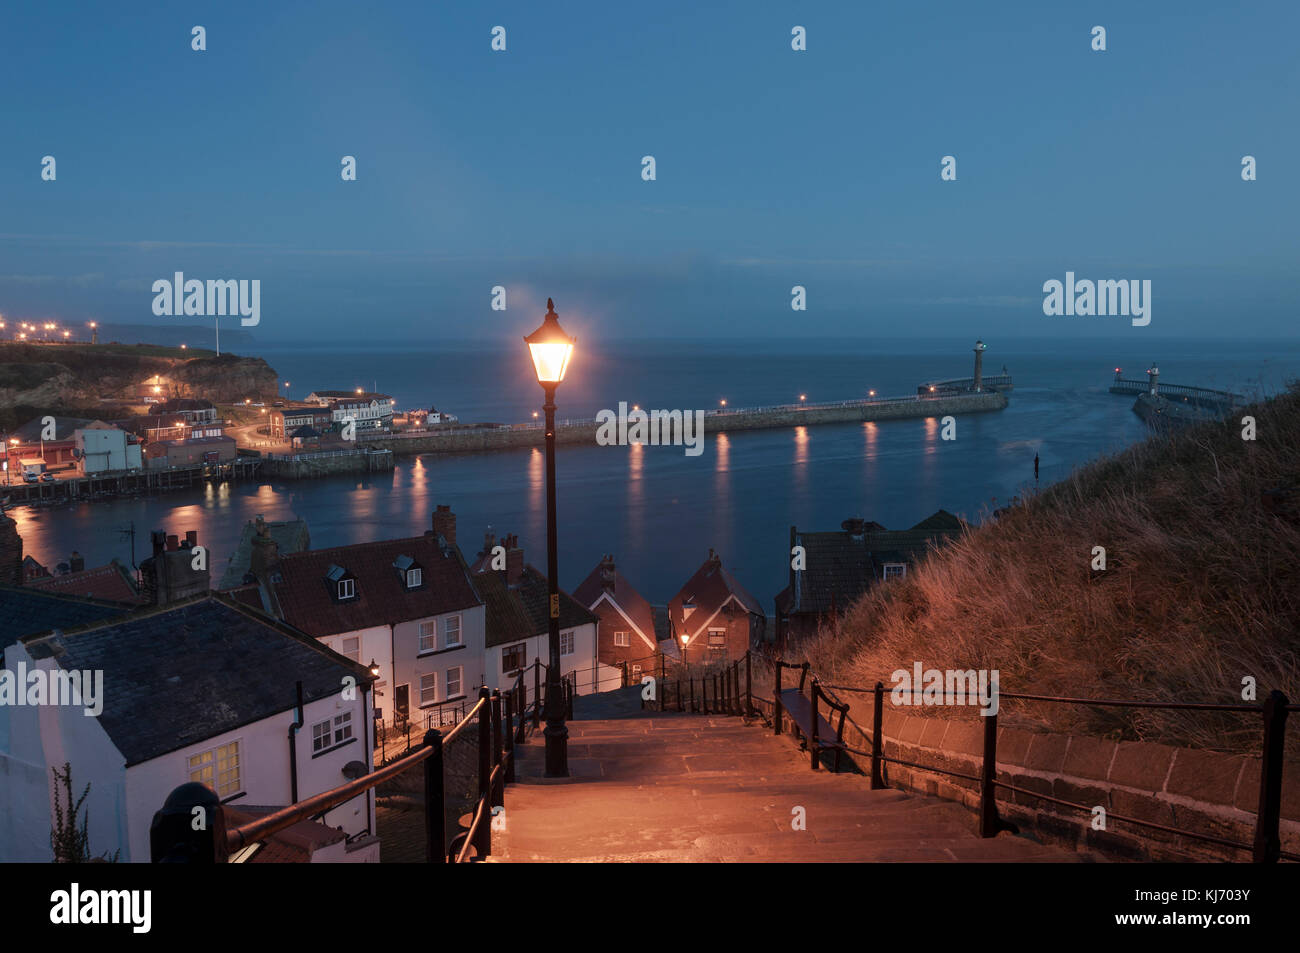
(775, 167)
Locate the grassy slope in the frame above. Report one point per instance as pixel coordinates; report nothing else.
(1202, 588)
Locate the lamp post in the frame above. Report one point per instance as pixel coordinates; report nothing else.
(550, 349)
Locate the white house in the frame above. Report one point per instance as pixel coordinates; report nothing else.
(518, 622)
(203, 690)
(407, 606)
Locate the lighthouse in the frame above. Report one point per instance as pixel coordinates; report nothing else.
(978, 384)
(1153, 375)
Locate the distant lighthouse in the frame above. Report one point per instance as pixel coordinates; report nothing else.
(1153, 375)
(980, 347)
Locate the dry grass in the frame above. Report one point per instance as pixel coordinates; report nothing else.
(1201, 589)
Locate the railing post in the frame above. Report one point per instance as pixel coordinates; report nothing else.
(509, 738)
(692, 683)
(776, 698)
(498, 789)
(680, 707)
(749, 688)
(537, 693)
(716, 698)
(989, 823)
(483, 842)
(1268, 842)
(814, 737)
(623, 666)
(435, 815)
(877, 781)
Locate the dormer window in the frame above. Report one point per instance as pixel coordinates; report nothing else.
(895, 571)
(409, 571)
(343, 582)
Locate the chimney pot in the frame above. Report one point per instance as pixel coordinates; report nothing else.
(191, 539)
(173, 543)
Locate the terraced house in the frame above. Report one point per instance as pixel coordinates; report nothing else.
(405, 606)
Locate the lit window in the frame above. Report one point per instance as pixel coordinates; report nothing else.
(218, 768)
(451, 631)
(453, 682)
(429, 635)
(428, 689)
(622, 640)
(566, 643)
(895, 571)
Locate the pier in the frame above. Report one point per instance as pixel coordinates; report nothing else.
(99, 486)
(1216, 400)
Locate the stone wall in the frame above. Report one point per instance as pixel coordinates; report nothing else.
(463, 440)
(1202, 791)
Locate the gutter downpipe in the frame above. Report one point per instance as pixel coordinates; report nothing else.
(293, 749)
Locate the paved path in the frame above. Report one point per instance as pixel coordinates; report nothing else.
(680, 787)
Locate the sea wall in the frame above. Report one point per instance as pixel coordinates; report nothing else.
(472, 439)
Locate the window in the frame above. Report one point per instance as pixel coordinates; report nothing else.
(895, 571)
(622, 640)
(513, 657)
(414, 578)
(636, 673)
(331, 731)
(566, 643)
(451, 631)
(429, 635)
(347, 588)
(453, 682)
(352, 648)
(428, 689)
(717, 638)
(218, 768)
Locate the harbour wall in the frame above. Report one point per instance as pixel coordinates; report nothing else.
(511, 437)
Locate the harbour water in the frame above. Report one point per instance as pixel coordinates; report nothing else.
(655, 508)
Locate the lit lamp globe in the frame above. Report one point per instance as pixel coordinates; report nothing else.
(550, 349)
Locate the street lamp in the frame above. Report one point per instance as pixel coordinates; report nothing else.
(550, 349)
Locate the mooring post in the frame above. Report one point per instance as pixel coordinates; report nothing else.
(1268, 842)
(877, 780)
(435, 815)
(510, 738)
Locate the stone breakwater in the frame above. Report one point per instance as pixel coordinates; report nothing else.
(511, 437)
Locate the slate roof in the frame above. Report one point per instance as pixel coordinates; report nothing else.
(523, 612)
(709, 590)
(306, 598)
(25, 610)
(176, 675)
(634, 605)
(111, 582)
(64, 428)
(842, 566)
(290, 536)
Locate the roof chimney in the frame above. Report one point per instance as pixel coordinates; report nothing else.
(444, 524)
(159, 539)
(173, 543)
(76, 562)
(608, 574)
(514, 560)
(191, 539)
(489, 540)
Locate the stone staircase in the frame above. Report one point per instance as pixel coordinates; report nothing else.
(679, 787)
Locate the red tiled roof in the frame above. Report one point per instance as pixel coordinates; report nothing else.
(307, 598)
(109, 582)
(634, 606)
(709, 589)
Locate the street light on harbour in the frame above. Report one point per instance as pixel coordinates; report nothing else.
(550, 349)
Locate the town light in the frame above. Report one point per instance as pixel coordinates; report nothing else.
(724, 402)
(803, 396)
(374, 667)
(551, 349)
(184, 346)
(871, 393)
(359, 390)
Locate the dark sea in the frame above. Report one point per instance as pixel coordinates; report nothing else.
(656, 509)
